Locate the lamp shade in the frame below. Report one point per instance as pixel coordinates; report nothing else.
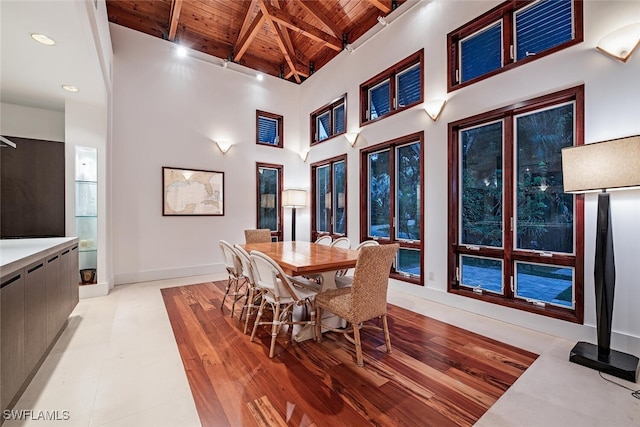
(621, 43)
(294, 198)
(602, 165)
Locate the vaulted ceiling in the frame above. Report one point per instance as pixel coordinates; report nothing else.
(290, 39)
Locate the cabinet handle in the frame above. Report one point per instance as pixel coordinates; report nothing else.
(53, 259)
(65, 252)
(31, 270)
(10, 281)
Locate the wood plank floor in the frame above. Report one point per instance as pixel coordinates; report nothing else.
(438, 374)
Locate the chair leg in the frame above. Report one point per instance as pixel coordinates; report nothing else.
(249, 308)
(236, 294)
(356, 338)
(257, 322)
(318, 324)
(226, 290)
(387, 338)
(275, 327)
(314, 331)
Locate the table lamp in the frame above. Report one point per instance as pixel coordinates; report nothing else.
(294, 199)
(601, 166)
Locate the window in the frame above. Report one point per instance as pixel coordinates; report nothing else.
(329, 203)
(329, 120)
(269, 129)
(391, 211)
(393, 90)
(516, 237)
(269, 189)
(509, 35)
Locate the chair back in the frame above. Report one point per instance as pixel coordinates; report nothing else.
(269, 275)
(367, 243)
(341, 242)
(247, 268)
(371, 280)
(231, 260)
(324, 240)
(260, 235)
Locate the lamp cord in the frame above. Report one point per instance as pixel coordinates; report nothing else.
(634, 393)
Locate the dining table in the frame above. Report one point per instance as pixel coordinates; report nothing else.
(300, 258)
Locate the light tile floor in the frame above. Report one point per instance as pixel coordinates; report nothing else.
(117, 364)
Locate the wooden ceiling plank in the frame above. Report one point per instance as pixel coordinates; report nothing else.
(242, 45)
(280, 36)
(313, 8)
(302, 27)
(176, 5)
(246, 22)
(381, 6)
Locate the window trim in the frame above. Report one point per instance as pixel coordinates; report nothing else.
(364, 198)
(505, 13)
(327, 108)
(507, 253)
(391, 73)
(314, 167)
(278, 234)
(280, 122)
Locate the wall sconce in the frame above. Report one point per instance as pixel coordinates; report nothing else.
(223, 146)
(352, 137)
(621, 43)
(304, 155)
(434, 108)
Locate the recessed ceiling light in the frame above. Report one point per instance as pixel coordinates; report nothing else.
(181, 51)
(44, 39)
(259, 76)
(70, 88)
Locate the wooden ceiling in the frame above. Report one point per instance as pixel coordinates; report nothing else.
(286, 38)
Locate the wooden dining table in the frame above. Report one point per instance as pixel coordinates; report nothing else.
(299, 258)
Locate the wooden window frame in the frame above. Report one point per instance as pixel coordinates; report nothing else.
(314, 166)
(328, 108)
(364, 220)
(279, 119)
(391, 73)
(510, 253)
(504, 13)
(278, 234)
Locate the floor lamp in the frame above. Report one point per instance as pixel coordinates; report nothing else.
(599, 167)
(294, 199)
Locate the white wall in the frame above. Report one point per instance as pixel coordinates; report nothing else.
(29, 122)
(166, 112)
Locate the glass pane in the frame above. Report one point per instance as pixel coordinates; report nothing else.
(339, 197)
(86, 164)
(544, 212)
(543, 25)
(379, 102)
(379, 194)
(268, 197)
(481, 52)
(408, 262)
(481, 273)
(408, 192)
(267, 130)
(338, 119)
(87, 230)
(86, 198)
(87, 259)
(322, 126)
(481, 194)
(409, 84)
(323, 200)
(546, 283)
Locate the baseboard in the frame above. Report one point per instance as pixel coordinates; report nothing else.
(96, 290)
(171, 273)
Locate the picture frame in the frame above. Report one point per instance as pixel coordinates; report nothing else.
(189, 192)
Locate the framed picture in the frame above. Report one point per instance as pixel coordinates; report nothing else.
(192, 192)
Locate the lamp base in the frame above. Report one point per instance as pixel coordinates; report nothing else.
(621, 365)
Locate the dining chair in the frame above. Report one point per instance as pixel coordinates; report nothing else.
(345, 277)
(341, 242)
(364, 300)
(281, 295)
(236, 281)
(254, 293)
(260, 235)
(324, 240)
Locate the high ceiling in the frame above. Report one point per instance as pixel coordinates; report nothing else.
(286, 38)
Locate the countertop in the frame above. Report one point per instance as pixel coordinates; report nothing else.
(18, 253)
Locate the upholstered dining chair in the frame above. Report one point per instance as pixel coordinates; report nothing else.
(281, 295)
(253, 292)
(260, 235)
(345, 277)
(364, 300)
(324, 240)
(236, 281)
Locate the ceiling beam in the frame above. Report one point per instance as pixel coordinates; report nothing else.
(308, 30)
(243, 44)
(381, 6)
(246, 22)
(287, 50)
(320, 15)
(176, 5)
